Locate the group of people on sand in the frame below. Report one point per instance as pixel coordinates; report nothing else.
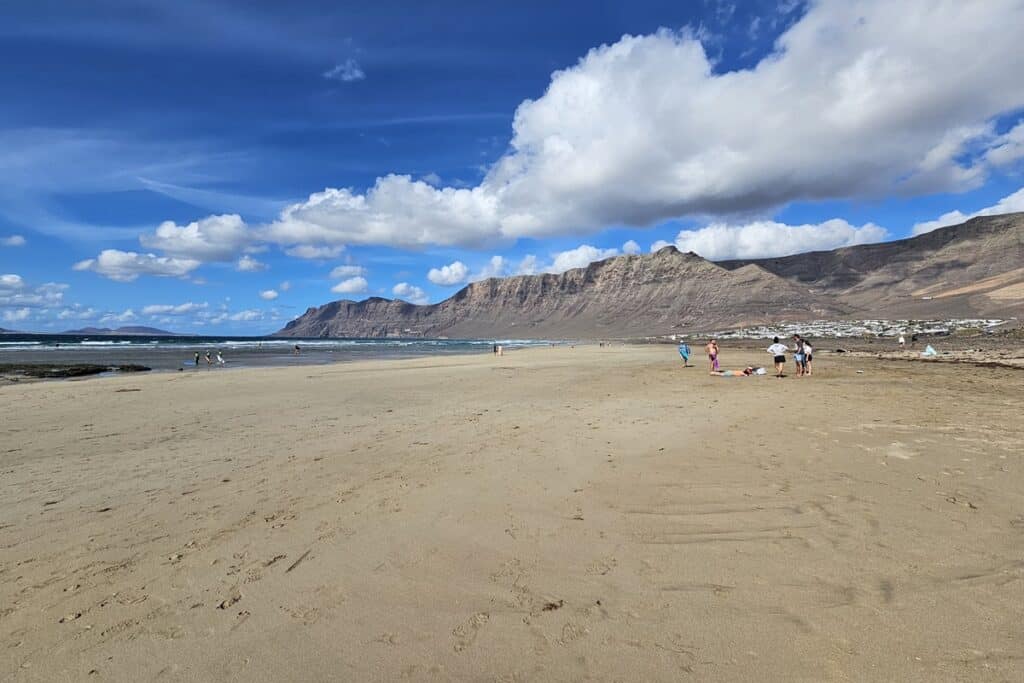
(803, 356)
(209, 359)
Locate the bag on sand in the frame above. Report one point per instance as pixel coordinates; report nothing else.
(929, 351)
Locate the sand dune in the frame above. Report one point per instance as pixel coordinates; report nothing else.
(554, 514)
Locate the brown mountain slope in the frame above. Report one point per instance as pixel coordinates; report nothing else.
(969, 270)
(974, 268)
(624, 296)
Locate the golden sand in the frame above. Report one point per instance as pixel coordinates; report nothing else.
(555, 514)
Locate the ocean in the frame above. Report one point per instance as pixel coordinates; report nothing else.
(163, 353)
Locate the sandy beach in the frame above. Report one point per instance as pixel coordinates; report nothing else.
(553, 514)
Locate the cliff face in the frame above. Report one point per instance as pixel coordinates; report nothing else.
(623, 296)
(967, 270)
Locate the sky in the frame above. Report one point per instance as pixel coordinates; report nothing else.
(218, 167)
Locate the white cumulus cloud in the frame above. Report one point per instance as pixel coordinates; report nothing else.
(15, 292)
(631, 247)
(410, 293)
(77, 312)
(124, 316)
(11, 281)
(497, 267)
(214, 238)
(452, 274)
(1008, 204)
(760, 239)
(580, 257)
(12, 241)
(17, 315)
(247, 264)
(353, 285)
(126, 266)
(268, 295)
(529, 265)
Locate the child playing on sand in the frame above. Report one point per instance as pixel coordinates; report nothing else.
(779, 352)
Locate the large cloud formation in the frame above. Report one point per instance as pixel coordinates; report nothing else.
(859, 98)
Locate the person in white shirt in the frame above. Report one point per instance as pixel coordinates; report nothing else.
(779, 352)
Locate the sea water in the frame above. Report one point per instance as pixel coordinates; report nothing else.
(172, 353)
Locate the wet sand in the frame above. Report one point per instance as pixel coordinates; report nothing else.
(554, 514)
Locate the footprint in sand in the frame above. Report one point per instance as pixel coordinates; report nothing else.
(466, 633)
(602, 566)
(572, 632)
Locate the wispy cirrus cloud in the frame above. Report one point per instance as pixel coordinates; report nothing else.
(346, 72)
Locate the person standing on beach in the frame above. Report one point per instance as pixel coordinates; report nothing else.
(209, 360)
(220, 358)
(808, 357)
(798, 354)
(712, 351)
(779, 352)
(196, 363)
(684, 353)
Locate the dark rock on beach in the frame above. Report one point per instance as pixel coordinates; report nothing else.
(52, 371)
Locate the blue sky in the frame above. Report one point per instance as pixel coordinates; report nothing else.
(218, 167)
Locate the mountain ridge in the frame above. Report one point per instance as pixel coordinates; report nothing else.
(671, 291)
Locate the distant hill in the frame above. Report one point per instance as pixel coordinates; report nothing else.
(967, 270)
(975, 269)
(124, 331)
(3, 331)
